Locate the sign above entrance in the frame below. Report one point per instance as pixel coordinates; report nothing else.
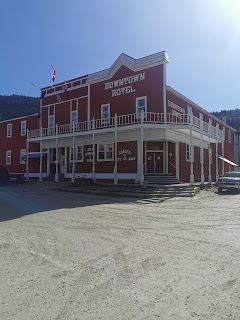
(120, 82)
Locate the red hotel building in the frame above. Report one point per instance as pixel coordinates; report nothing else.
(123, 123)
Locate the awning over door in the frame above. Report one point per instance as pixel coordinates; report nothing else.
(34, 155)
(228, 161)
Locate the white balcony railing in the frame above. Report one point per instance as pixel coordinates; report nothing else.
(126, 120)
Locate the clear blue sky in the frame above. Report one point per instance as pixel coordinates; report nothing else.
(201, 38)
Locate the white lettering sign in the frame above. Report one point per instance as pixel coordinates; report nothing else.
(176, 107)
(124, 81)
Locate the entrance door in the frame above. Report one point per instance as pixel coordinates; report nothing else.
(154, 162)
(62, 164)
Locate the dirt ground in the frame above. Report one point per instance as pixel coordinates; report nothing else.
(72, 256)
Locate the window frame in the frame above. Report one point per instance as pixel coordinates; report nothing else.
(229, 136)
(138, 115)
(71, 117)
(105, 145)
(75, 153)
(22, 161)
(25, 132)
(105, 120)
(188, 159)
(189, 112)
(9, 125)
(7, 157)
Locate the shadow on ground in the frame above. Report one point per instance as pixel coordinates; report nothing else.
(17, 201)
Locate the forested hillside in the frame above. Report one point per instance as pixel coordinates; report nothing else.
(16, 106)
(233, 117)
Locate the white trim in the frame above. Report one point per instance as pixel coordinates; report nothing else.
(22, 153)
(178, 94)
(51, 116)
(190, 155)
(75, 153)
(105, 151)
(9, 124)
(201, 155)
(8, 164)
(229, 136)
(105, 120)
(145, 112)
(105, 176)
(24, 121)
(71, 113)
(23, 117)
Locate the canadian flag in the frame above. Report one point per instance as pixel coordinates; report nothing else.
(53, 75)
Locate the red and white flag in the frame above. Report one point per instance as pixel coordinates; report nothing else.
(53, 75)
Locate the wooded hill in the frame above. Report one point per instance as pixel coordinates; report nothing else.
(17, 106)
(233, 117)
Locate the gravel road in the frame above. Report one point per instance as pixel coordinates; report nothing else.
(71, 256)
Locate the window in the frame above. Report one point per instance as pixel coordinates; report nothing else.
(141, 105)
(229, 136)
(201, 156)
(74, 118)
(201, 120)
(224, 133)
(189, 112)
(188, 153)
(210, 125)
(105, 152)
(51, 123)
(23, 128)
(53, 155)
(105, 113)
(217, 129)
(8, 157)
(22, 153)
(78, 154)
(9, 130)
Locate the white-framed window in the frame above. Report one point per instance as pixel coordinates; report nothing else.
(22, 153)
(105, 113)
(105, 152)
(23, 128)
(217, 129)
(188, 153)
(189, 112)
(51, 123)
(78, 154)
(210, 125)
(8, 157)
(141, 105)
(224, 133)
(53, 155)
(74, 118)
(201, 120)
(210, 151)
(229, 136)
(201, 155)
(9, 130)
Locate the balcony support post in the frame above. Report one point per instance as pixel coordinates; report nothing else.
(166, 155)
(74, 151)
(209, 163)
(164, 94)
(191, 151)
(202, 161)
(27, 166)
(177, 159)
(115, 151)
(223, 157)
(65, 162)
(217, 175)
(94, 155)
(141, 152)
(40, 176)
(56, 161)
(48, 162)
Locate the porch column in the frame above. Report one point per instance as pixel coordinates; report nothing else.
(65, 162)
(177, 159)
(27, 167)
(223, 157)
(141, 153)
(209, 164)
(202, 161)
(115, 152)
(48, 162)
(56, 162)
(40, 176)
(94, 155)
(164, 94)
(191, 151)
(166, 155)
(73, 146)
(217, 175)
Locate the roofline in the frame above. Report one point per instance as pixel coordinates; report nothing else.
(135, 64)
(198, 107)
(13, 119)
